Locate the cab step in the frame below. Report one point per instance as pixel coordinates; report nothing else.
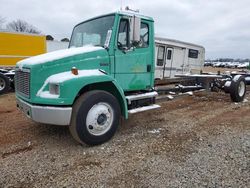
(144, 108)
(131, 98)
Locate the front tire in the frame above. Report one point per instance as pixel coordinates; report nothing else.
(95, 117)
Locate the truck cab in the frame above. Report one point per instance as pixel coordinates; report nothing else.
(129, 59)
(107, 71)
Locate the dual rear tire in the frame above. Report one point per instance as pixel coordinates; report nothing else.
(238, 88)
(4, 84)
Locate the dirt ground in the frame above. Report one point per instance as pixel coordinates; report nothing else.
(193, 141)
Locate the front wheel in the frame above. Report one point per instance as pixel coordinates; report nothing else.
(95, 117)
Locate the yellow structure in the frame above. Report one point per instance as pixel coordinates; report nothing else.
(17, 46)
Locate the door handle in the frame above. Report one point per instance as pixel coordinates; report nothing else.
(104, 64)
(148, 68)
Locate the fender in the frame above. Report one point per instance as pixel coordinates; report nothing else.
(71, 86)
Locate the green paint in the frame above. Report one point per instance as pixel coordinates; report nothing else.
(129, 70)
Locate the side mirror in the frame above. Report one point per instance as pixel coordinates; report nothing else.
(135, 28)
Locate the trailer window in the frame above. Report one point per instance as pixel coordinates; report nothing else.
(123, 41)
(193, 53)
(169, 55)
(160, 55)
(144, 36)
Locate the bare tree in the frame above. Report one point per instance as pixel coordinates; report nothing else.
(22, 26)
(2, 20)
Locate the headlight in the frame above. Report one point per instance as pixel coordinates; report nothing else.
(54, 89)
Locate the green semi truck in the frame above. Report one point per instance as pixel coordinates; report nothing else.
(107, 72)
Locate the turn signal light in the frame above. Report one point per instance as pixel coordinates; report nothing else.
(74, 70)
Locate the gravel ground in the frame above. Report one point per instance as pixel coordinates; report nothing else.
(193, 141)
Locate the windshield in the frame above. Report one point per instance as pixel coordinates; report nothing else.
(92, 32)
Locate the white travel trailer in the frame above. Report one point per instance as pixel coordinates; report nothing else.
(176, 57)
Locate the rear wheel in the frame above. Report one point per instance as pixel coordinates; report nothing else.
(4, 84)
(95, 117)
(238, 88)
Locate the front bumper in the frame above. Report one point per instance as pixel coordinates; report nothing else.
(46, 114)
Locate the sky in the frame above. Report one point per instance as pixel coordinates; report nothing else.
(221, 26)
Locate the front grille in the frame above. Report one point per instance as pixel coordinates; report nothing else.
(22, 82)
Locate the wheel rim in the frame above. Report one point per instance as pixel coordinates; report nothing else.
(241, 88)
(2, 84)
(99, 119)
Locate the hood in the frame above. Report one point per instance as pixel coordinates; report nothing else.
(44, 66)
(56, 55)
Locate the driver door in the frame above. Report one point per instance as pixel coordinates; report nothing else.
(132, 64)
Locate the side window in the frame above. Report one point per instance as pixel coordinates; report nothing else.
(160, 55)
(123, 39)
(144, 36)
(193, 53)
(169, 55)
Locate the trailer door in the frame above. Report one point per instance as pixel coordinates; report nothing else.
(168, 63)
(159, 61)
(178, 61)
